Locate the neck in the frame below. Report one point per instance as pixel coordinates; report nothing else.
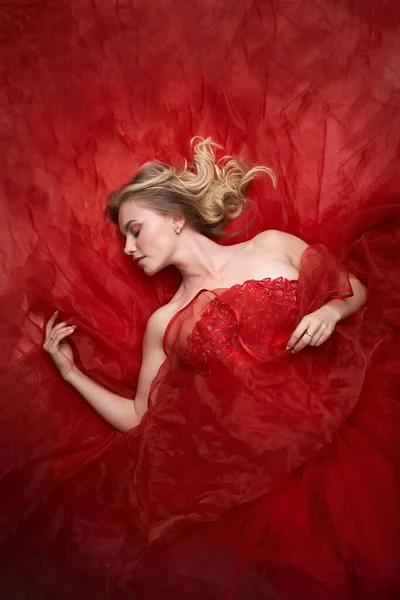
(199, 259)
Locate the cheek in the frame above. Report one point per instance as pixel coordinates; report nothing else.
(142, 241)
(155, 242)
(145, 241)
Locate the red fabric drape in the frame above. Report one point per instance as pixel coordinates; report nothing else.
(90, 90)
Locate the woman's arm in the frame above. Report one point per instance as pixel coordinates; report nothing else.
(340, 308)
(121, 413)
(316, 327)
(345, 308)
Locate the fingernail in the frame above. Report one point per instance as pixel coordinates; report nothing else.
(56, 313)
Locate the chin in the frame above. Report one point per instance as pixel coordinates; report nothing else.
(153, 269)
(149, 271)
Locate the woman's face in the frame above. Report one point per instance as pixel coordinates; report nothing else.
(150, 237)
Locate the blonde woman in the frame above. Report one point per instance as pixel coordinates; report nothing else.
(249, 379)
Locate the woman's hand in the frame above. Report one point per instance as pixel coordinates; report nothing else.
(314, 329)
(57, 347)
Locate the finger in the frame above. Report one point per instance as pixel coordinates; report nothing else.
(322, 333)
(305, 340)
(58, 327)
(53, 332)
(300, 346)
(294, 338)
(57, 335)
(51, 322)
(316, 337)
(324, 337)
(297, 334)
(52, 344)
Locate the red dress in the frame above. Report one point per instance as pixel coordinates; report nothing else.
(255, 473)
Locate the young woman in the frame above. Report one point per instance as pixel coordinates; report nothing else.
(252, 475)
(168, 219)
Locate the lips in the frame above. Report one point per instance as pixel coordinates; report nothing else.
(137, 260)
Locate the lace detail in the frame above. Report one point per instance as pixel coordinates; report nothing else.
(280, 289)
(216, 333)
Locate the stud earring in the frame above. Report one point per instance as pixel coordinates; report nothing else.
(177, 230)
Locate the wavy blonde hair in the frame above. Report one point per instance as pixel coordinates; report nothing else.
(207, 194)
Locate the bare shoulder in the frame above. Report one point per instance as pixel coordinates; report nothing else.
(159, 320)
(282, 243)
(273, 238)
(155, 328)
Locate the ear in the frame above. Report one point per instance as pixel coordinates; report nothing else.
(178, 222)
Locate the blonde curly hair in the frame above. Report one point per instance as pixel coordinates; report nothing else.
(207, 194)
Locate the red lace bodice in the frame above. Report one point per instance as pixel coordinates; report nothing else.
(216, 334)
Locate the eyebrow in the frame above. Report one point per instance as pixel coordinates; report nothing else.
(128, 224)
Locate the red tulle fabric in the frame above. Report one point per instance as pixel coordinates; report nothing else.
(255, 473)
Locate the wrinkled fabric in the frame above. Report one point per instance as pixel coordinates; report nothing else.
(89, 92)
(248, 419)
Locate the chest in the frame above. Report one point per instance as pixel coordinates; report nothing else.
(246, 320)
(271, 268)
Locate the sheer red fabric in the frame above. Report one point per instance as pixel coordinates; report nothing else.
(256, 473)
(237, 421)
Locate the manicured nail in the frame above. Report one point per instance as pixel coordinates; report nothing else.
(56, 313)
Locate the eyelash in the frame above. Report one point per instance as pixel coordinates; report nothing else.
(136, 233)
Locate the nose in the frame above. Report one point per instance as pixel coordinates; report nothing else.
(130, 245)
